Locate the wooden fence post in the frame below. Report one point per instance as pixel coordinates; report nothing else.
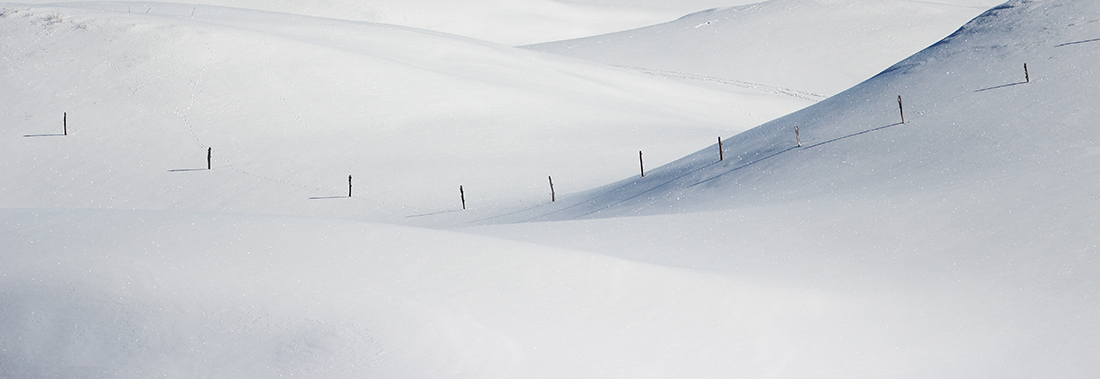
(65, 122)
(797, 137)
(208, 155)
(640, 164)
(721, 155)
(553, 197)
(1027, 78)
(901, 109)
(462, 195)
(349, 185)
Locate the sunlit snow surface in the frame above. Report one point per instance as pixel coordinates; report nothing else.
(961, 243)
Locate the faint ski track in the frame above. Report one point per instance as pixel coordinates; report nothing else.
(798, 94)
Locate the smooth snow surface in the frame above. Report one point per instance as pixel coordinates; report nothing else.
(292, 105)
(512, 22)
(959, 244)
(789, 45)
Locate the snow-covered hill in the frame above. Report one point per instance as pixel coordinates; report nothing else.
(985, 199)
(813, 47)
(972, 116)
(512, 22)
(292, 105)
(959, 244)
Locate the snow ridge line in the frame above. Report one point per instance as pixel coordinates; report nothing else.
(798, 94)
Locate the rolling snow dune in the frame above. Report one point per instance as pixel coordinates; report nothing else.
(292, 105)
(959, 244)
(985, 198)
(142, 294)
(513, 22)
(810, 46)
(970, 120)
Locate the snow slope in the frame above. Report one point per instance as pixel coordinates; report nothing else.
(513, 22)
(986, 199)
(292, 105)
(970, 119)
(811, 46)
(143, 294)
(959, 244)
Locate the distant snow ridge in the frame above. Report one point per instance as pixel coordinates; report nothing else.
(292, 105)
(821, 47)
(970, 117)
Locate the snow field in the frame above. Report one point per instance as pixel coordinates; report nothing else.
(410, 121)
(959, 244)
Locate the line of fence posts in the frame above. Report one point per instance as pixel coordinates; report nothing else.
(553, 195)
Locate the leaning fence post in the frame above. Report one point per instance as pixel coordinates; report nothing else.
(640, 164)
(721, 155)
(462, 195)
(552, 197)
(797, 137)
(901, 109)
(1027, 78)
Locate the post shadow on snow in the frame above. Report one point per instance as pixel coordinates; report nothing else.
(44, 135)
(793, 148)
(738, 168)
(187, 169)
(754, 162)
(1077, 42)
(438, 213)
(328, 197)
(1001, 86)
(853, 135)
(684, 175)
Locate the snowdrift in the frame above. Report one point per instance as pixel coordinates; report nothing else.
(973, 117)
(137, 294)
(512, 22)
(808, 48)
(958, 244)
(985, 199)
(292, 105)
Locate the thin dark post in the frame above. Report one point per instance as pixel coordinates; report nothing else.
(721, 156)
(208, 155)
(349, 185)
(797, 137)
(901, 109)
(1027, 78)
(553, 197)
(462, 194)
(640, 164)
(65, 122)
